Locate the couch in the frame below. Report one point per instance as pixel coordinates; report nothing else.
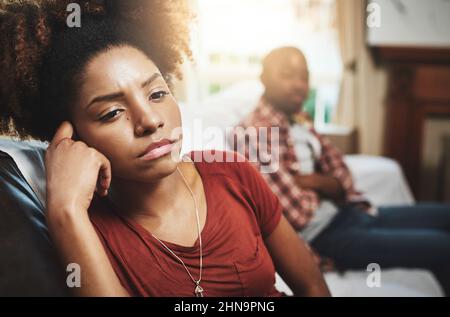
(28, 263)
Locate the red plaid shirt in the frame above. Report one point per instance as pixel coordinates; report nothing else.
(298, 204)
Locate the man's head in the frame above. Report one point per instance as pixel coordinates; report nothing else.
(285, 77)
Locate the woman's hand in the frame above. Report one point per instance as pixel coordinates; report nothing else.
(74, 171)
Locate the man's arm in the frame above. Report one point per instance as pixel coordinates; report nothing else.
(331, 164)
(326, 186)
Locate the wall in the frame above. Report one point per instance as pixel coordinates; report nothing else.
(418, 23)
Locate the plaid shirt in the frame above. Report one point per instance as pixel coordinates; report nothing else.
(298, 204)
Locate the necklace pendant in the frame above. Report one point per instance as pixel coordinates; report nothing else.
(198, 291)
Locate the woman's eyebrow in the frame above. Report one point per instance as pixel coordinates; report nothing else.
(116, 95)
(108, 97)
(149, 81)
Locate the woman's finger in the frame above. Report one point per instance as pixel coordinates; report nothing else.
(104, 174)
(65, 131)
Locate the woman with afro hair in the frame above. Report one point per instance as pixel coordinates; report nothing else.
(120, 203)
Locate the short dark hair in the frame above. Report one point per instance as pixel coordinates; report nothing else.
(41, 58)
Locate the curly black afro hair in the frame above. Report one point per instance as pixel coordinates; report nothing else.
(41, 58)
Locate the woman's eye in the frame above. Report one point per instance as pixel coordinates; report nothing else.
(158, 95)
(110, 115)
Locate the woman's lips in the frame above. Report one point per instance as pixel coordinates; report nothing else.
(158, 149)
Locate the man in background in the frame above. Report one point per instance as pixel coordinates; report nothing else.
(316, 188)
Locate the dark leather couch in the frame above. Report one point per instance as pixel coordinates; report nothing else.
(28, 263)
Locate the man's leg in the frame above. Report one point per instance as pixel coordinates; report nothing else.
(355, 239)
(421, 216)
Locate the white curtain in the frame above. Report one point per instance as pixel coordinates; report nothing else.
(363, 86)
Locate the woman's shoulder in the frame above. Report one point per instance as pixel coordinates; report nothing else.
(102, 215)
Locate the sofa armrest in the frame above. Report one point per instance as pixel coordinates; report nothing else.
(380, 179)
(29, 265)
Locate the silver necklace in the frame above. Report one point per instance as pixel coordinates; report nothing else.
(198, 291)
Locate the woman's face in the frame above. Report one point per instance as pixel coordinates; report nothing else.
(124, 105)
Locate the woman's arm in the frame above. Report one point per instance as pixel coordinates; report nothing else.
(294, 262)
(74, 172)
(77, 242)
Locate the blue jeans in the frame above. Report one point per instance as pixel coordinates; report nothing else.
(407, 236)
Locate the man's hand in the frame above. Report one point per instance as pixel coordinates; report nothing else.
(311, 182)
(324, 185)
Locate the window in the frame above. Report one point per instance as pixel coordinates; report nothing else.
(232, 36)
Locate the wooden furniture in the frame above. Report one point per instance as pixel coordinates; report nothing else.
(446, 171)
(418, 88)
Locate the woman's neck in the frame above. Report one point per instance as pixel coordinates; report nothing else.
(152, 200)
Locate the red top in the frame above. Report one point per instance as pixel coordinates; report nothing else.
(241, 212)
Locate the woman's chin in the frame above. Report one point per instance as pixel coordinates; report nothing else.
(159, 168)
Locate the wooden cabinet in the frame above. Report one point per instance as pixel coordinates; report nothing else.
(418, 88)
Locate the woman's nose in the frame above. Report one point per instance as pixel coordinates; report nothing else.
(147, 120)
